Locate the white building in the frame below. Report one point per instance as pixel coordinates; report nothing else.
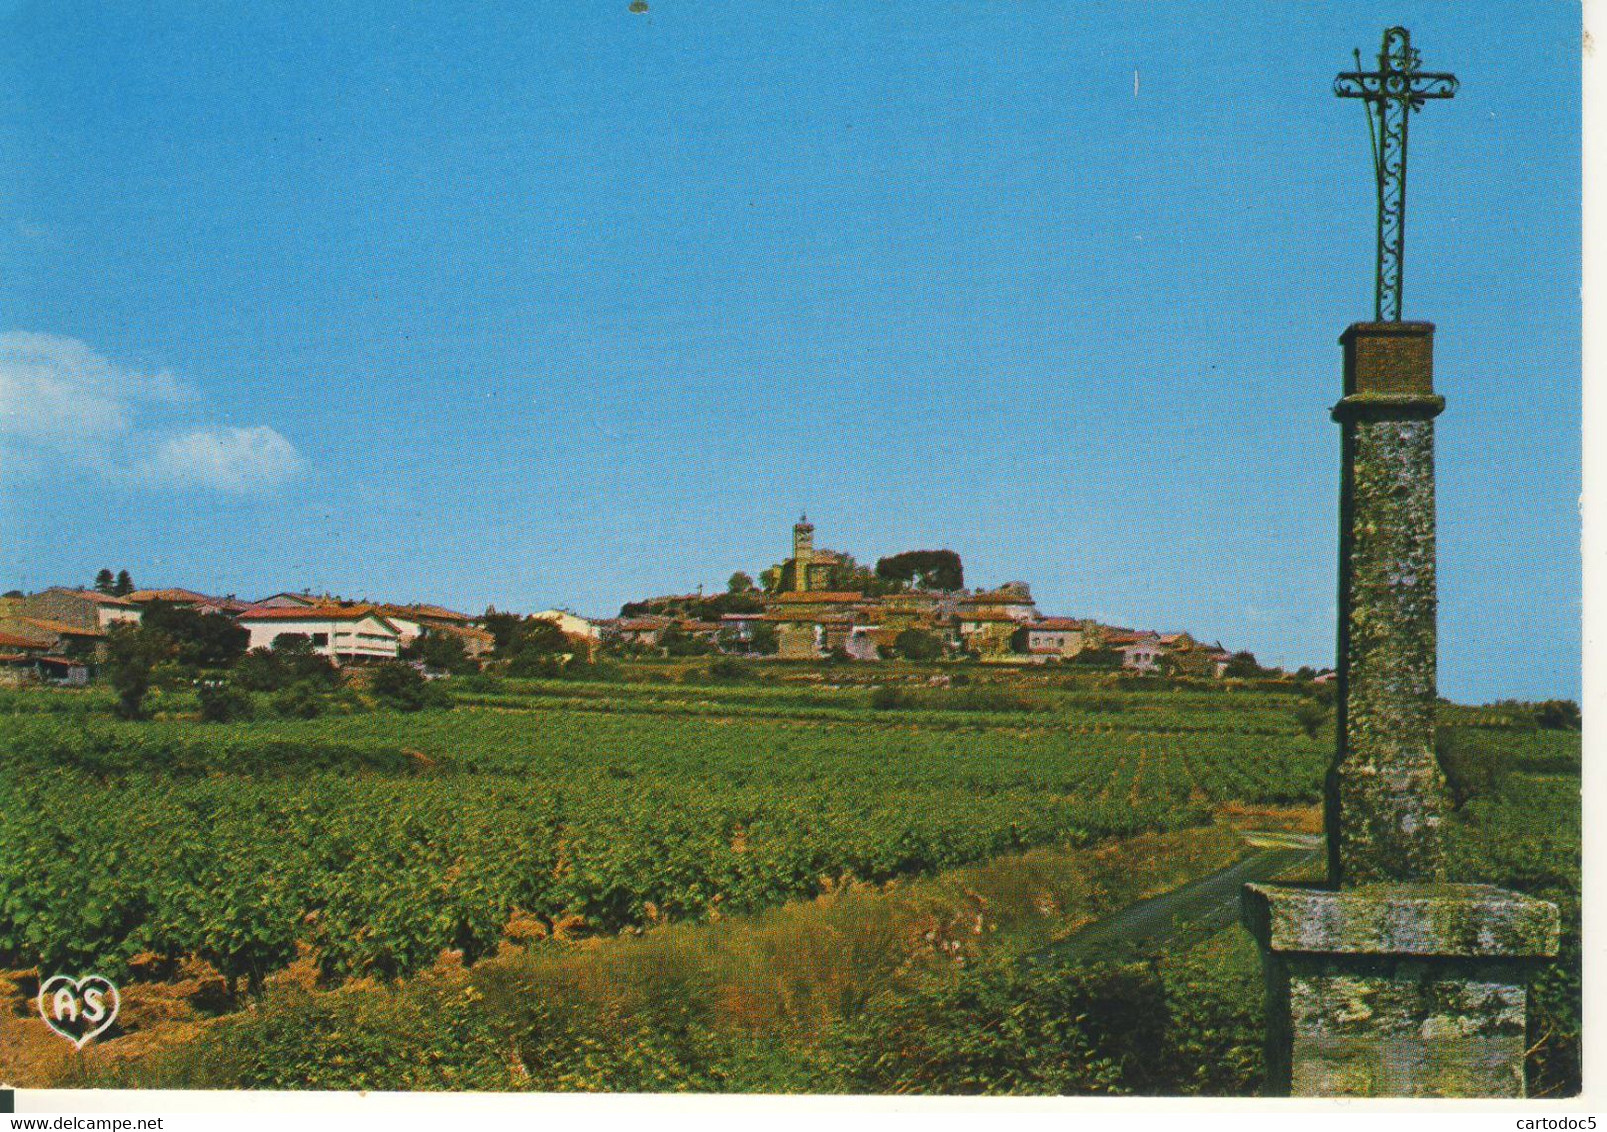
(572, 625)
(344, 633)
(1143, 655)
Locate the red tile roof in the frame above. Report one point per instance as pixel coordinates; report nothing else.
(20, 641)
(178, 596)
(1056, 624)
(312, 613)
(641, 624)
(93, 595)
(60, 628)
(70, 662)
(440, 613)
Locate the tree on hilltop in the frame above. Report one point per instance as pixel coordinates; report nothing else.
(104, 582)
(924, 569)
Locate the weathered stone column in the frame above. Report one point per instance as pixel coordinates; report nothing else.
(1385, 795)
(1386, 981)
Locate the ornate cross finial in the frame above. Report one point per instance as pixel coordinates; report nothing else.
(1392, 92)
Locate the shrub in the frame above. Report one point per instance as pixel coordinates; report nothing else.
(480, 683)
(913, 644)
(260, 670)
(302, 661)
(1473, 767)
(1310, 717)
(1558, 715)
(298, 701)
(728, 670)
(403, 687)
(222, 703)
(988, 699)
(887, 697)
(1067, 1031)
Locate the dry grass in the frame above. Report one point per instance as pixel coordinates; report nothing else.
(807, 964)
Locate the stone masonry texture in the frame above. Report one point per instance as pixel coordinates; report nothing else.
(1386, 796)
(1397, 990)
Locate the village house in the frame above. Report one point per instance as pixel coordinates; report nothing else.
(1144, 654)
(741, 625)
(84, 609)
(27, 657)
(346, 634)
(811, 624)
(1056, 637)
(570, 624)
(415, 621)
(642, 632)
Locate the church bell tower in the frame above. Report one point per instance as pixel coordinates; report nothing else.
(803, 552)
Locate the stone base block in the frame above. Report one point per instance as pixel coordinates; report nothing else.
(1397, 990)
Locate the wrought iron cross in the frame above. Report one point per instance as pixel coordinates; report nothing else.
(1392, 93)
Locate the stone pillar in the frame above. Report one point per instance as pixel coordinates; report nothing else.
(1385, 795)
(1386, 981)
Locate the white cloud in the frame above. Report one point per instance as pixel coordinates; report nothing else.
(58, 394)
(222, 457)
(61, 399)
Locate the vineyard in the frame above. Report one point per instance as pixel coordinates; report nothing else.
(373, 840)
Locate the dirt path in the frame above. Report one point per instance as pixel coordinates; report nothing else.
(1196, 909)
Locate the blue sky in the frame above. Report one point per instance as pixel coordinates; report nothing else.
(570, 305)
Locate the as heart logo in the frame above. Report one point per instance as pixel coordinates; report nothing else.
(78, 1009)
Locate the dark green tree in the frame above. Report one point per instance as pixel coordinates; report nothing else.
(740, 583)
(1243, 665)
(304, 662)
(504, 628)
(914, 644)
(442, 652)
(1311, 716)
(403, 687)
(676, 641)
(260, 670)
(124, 584)
(105, 582)
(208, 640)
(925, 569)
(131, 652)
(1559, 715)
(224, 703)
(766, 641)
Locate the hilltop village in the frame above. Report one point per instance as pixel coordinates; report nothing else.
(815, 605)
(820, 603)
